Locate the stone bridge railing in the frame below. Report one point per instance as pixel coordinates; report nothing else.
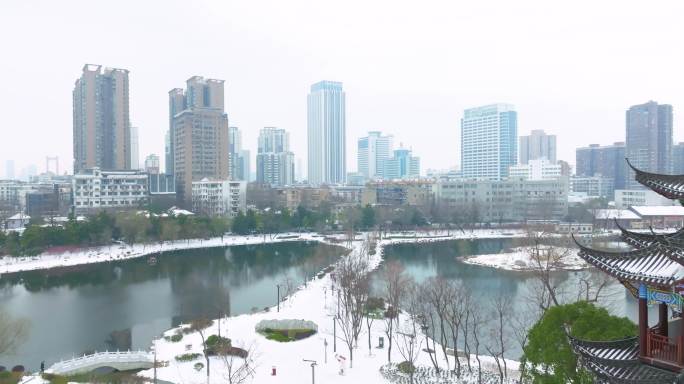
(118, 360)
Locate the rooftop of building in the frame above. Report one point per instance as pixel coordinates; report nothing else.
(326, 85)
(667, 210)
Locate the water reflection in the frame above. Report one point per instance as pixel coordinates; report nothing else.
(124, 304)
(443, 259)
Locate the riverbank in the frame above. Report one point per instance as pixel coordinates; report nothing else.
(115, 252)
(520, 259)
(313, 302)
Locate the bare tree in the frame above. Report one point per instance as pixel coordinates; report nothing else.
(353, 284)
(436, 294)
(240, 364)
(407, 336)
(476, 322)
(199, 325)
(373, 305)
(454, 319)
(521, 322)
(13, 332)
(546, 257)
(395, 282)
(499, 340)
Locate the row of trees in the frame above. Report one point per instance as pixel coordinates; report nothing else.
(447, 319)
(438, 313)
(557, 310)
(446, 313)
(104, 227)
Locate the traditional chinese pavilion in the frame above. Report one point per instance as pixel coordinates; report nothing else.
(654, 273)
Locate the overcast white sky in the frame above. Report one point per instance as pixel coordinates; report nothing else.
(409, 68)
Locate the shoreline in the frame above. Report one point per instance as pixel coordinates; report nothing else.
(120, 252)
(313, 302)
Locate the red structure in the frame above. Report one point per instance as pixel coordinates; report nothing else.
(654, 273)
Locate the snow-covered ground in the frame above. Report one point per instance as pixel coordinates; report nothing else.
(520, 259)
(314, 302)
(123, 251)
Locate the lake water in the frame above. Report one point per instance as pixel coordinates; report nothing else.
(444, 259)
(125, 304)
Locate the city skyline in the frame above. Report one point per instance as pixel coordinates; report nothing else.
(374, 94)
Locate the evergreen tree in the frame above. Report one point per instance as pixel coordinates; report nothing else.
(548, 352)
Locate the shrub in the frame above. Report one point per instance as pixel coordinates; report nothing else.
(176, 337)
(286, 335)
(406, 367)
(188, 357)
(217, 345)
(277, 336)
(198, 366)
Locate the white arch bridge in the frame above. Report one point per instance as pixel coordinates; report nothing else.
(121, 361)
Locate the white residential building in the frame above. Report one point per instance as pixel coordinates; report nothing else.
(152, 164)
(135, 149)
(489, 141)
(219, 197)
(326, 132)
(373, 151)
(94, 189)
(538, 169)
(275, 161)
(625, 198)
(593, 186)
(537, 145)
(504, 200)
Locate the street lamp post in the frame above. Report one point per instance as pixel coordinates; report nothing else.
(278, 285)
(154, 350)
(313, 370)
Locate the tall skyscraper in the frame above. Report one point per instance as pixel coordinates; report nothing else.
(102, 124)
(678, 158)
(199, 134)
(326, 128)
(402, 165)
(489, 141)
(152, 164)
(168, 153)
(275, 162)
(239, 158)
(244, 167)
(373, 150)
(177, 104)
(9, 170)
(649, 139)
(537, 145)
(607, 161)
(135, 154)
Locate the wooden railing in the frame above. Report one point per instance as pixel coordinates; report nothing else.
(663, 348)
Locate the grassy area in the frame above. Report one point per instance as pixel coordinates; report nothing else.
(287, 335)
(127, 377)
(7, 377)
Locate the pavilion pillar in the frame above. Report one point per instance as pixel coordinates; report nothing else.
(662, 319)
(643, 322)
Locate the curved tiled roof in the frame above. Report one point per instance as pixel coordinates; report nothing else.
(670, 186)
(643, 239)
(618, 362)
(655, 264)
